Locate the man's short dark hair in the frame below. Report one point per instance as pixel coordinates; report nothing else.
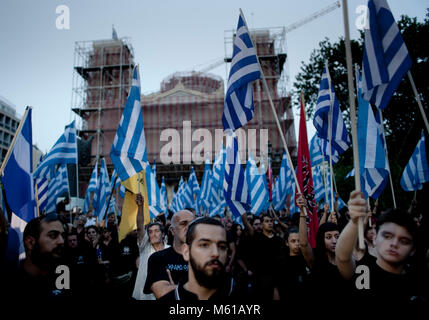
(190, 234)
(33, 228)
(262, 216)
(400, 218)
(290, 231)
(160, 226)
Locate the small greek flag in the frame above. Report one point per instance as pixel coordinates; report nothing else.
(203, 200)
(57, 187)
(319, 187)
(193, 182)
(238, 107)
(92, 187)
(257, 183)
(283, 185)
(103, 190)
(319, 151)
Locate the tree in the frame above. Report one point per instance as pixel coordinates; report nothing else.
(402, 119)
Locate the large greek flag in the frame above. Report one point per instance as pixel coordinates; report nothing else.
(18, 185)
(374, 168)
(63, 151)
(128, 152)
(417, 171)
(257, 183)
(238, 107)
(57, 187)
(236, 193)
(92, 187)
(319, 151)
(283, 185)
(385, 55)
(328, 114)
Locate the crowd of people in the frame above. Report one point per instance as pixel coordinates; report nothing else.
(268, 257)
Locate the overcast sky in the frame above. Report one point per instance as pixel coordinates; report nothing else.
(36, 59)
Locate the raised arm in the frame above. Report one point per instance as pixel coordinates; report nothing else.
(347, 240)
(305, 248)
(325, 214)
(247, 225)
(140, 219)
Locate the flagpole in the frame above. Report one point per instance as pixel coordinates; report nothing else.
(387, 158)
(37, 199)
(330, 131)
(264, 81)
(419, 102)
(9, 151)
(352, 114)
(324, 184)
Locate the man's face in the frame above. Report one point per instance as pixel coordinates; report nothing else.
(267, 224)
(257, 226)
(207, 255)
(92, 234)
(111, 219)
(48, 249)
(394, 243)
(72, 241)
(293, 244)
(155, 235)
(180, 224)
(331, 238)
(371, 234)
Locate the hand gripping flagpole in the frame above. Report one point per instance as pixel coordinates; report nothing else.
(353, 115)
(264, 81)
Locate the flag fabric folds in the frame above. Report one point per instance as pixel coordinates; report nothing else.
(238, 107)
(103, 191)
(92, 187)
(283, 186)
(385, 56)
(128, 151)
(18, 184)
(203, 198)
(374, 168)
(319, 188)
(63, 151)
(319, 151)
(417, 171)
(235, 185)
(193, 183)
(305, 179)
(164, 202)
(328, 110)
(153, 193)
(42, 192)
(258, 189)
(57, 187)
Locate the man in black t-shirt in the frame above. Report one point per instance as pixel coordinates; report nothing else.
(387, 280)
(167, 267)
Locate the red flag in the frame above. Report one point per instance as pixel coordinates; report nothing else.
(305, 178)
(270, 179)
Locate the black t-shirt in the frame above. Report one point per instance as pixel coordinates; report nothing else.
(267, 253)
(293, 276)
(158, 264)
(128, 254)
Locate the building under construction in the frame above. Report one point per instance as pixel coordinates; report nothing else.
(103, 71)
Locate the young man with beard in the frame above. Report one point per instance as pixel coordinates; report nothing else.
(206, 251)
(167, 267)
(35, 278)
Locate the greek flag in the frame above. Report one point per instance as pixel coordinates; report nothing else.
(217, 208)
(193, 182)
(283, 184)
(238, 107)
(319, 187)
(328, 110)
(319, 151)
(219, 168)
(122, 191)
(128, 152)
(63, 151)
(203, 200)
(417, 171)
(42, 192)
(92, 187)
(153, 193)
(18, 185)
(163, 191)
(57, 187)
(103, 190)
(374, 168)
(235, 186)
(257, 183)
(385, 55)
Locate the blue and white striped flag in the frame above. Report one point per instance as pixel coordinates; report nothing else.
(103, 190)
(164, 202)
(219, 168)
(374, 168)
(18, 185)
(57, 187)
(92, 187)
(417, 171)
(328, 110)
(385, 56)
(153, 193)
(258, 189)
(284, 184)
(63, 151)
(203, 202)
(238, 107)
(319, 151)
(42, 192)
(128, 152)
(319, 187)
(236, 193)
(193, 183)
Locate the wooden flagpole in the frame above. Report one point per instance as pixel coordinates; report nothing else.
(352, 114)
(264, 81)
(330, 132)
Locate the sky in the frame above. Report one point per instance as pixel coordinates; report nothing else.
(37, 58)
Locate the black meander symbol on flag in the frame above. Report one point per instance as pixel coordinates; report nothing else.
(307, 188)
